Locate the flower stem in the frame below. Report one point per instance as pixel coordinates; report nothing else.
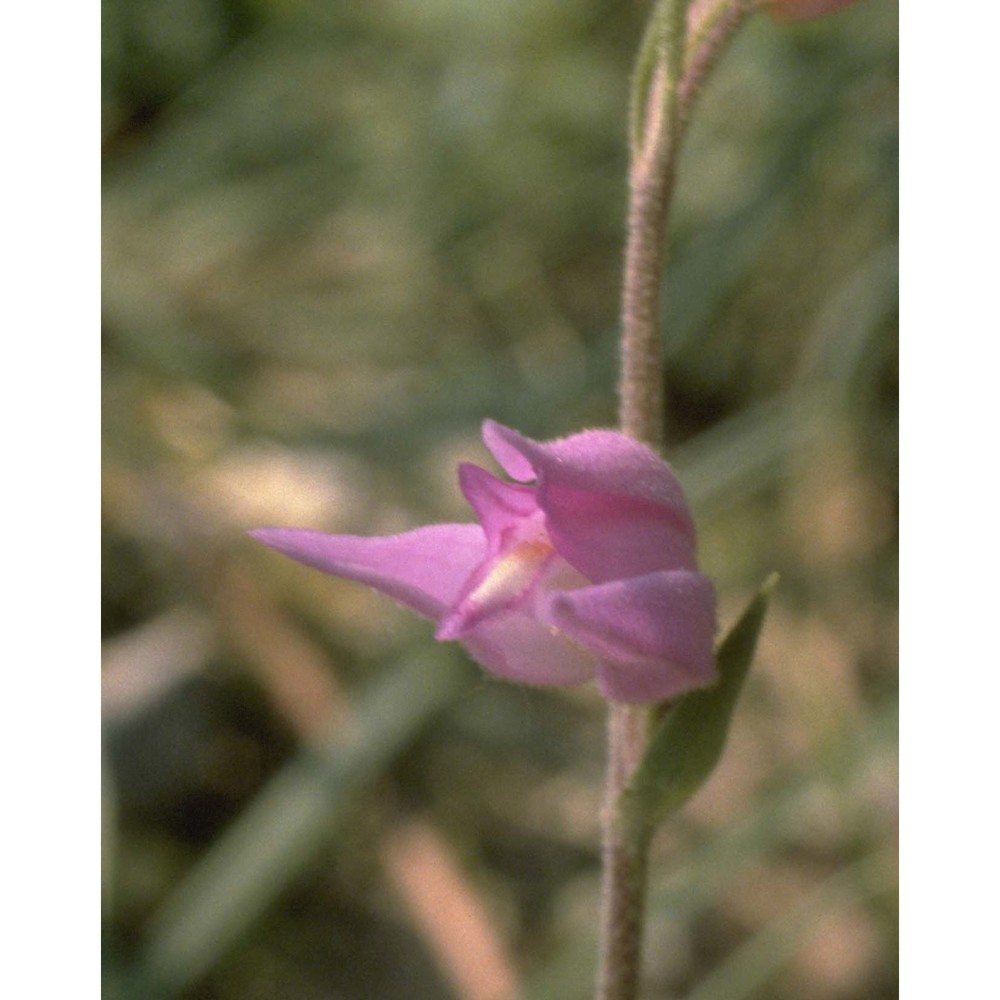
(655, 132)
(623, 857)
(677, 52)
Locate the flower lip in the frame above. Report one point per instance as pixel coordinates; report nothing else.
(505, 585)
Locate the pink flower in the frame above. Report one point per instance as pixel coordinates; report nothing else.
(588, 571)
(802, 10)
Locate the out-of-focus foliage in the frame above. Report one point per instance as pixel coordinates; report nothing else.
(337, 236)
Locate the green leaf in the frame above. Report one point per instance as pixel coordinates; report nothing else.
(688, 743)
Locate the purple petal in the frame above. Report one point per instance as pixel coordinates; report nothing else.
(610, 538)
(507, 447)
(519, 648)
(423, 569)
(653, 634)
(613, 508)
(498, 505)
(600, 461)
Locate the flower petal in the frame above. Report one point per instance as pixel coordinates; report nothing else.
(519, 648)
(498, 505)
(613, 507)
(600, 461)
(613, 538)
(653, 634)
(505, 444)
(423, 569)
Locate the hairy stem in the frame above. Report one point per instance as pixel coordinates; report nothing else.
(678, 51)
(654, 131)
(623, 856)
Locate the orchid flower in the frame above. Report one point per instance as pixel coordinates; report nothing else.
(583, 567)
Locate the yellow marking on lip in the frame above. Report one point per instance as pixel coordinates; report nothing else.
(512, 574)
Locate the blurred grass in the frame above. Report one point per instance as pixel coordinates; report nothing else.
(338, 236)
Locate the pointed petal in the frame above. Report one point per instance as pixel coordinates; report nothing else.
(653, 634)
(599, 461)
(519, 648)
(613, 507)
(504, 444)
(497, 504)
(423, 569)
